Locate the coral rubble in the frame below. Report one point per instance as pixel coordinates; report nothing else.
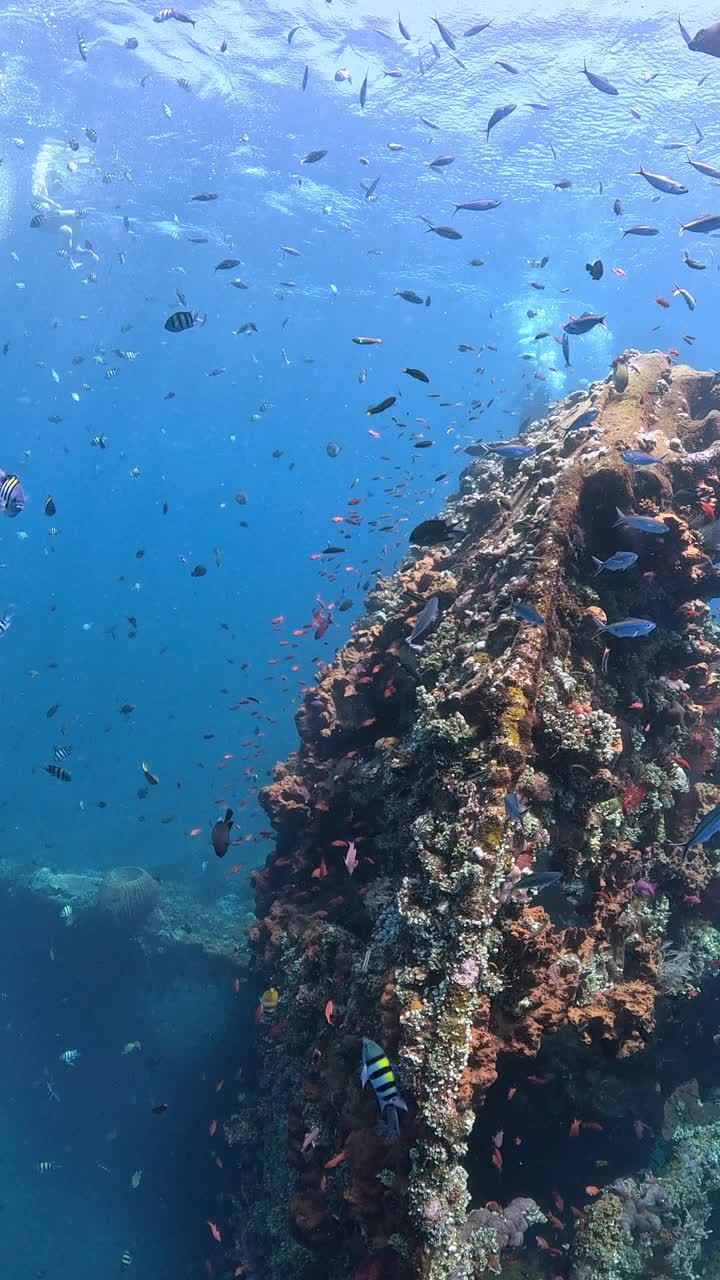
(392, 905)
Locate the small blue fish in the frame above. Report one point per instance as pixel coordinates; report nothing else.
(424, 620)
(513, 452)
(706, 828)
(629, 628)
(513, 809)
(537, 880)
(584, 420)
(643, 524)
(639, 458)
(528, 613)
(620, 560)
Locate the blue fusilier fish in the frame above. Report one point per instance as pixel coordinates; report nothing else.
(510, 452)
(661, 183)
(620, 560)
(583, 420)
(599, 82)
(537, 880)
(513, 808)
(527, 613)
(706, 828)
(639, 458)
(376, 1068)
(12, 497)
(643, 524)
(500, 113)
(425, 619)
(629, 628)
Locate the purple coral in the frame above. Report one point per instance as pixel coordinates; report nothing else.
(509, 1225)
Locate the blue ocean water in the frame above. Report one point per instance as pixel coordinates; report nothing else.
(105, 610)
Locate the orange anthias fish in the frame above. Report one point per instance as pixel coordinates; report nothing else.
(575, 1129)
(215, 1231)
(335, 1160)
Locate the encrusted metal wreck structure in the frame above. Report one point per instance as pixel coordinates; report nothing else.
(516, 1022)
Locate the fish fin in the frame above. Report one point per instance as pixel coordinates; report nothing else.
(400, 1102)
(622, 518)
(363, 1077)
(228, 815)
(599, 564)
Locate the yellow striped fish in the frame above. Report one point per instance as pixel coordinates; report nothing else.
(376, 1069)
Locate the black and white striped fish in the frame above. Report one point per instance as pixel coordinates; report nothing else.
(56, 772)
(82, 47)
(62, 753)
(5, 623)
(12, 497)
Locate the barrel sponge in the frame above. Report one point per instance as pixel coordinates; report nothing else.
(128, 895)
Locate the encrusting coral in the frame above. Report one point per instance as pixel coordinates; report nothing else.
(422, 938)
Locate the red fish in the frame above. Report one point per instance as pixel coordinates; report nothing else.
(575, 1129)
(497, 1159)
(592, 1191)
(335, 1160)
(215, 1231)
(593, 1126)
(329, 1012)
(662, 302)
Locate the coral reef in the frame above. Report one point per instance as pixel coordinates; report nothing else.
(127, 895)
(180, 936)
(392, 905)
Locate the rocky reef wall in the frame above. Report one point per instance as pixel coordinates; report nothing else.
(406, 760)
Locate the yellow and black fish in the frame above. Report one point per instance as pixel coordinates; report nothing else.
(376, 1069)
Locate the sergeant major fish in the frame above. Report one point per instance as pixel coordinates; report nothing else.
(12, 496)
(377, 1070)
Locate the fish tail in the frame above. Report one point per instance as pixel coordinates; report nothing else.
(600, 564)
(228, 814)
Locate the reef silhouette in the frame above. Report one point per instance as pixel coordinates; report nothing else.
(539, 1040)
